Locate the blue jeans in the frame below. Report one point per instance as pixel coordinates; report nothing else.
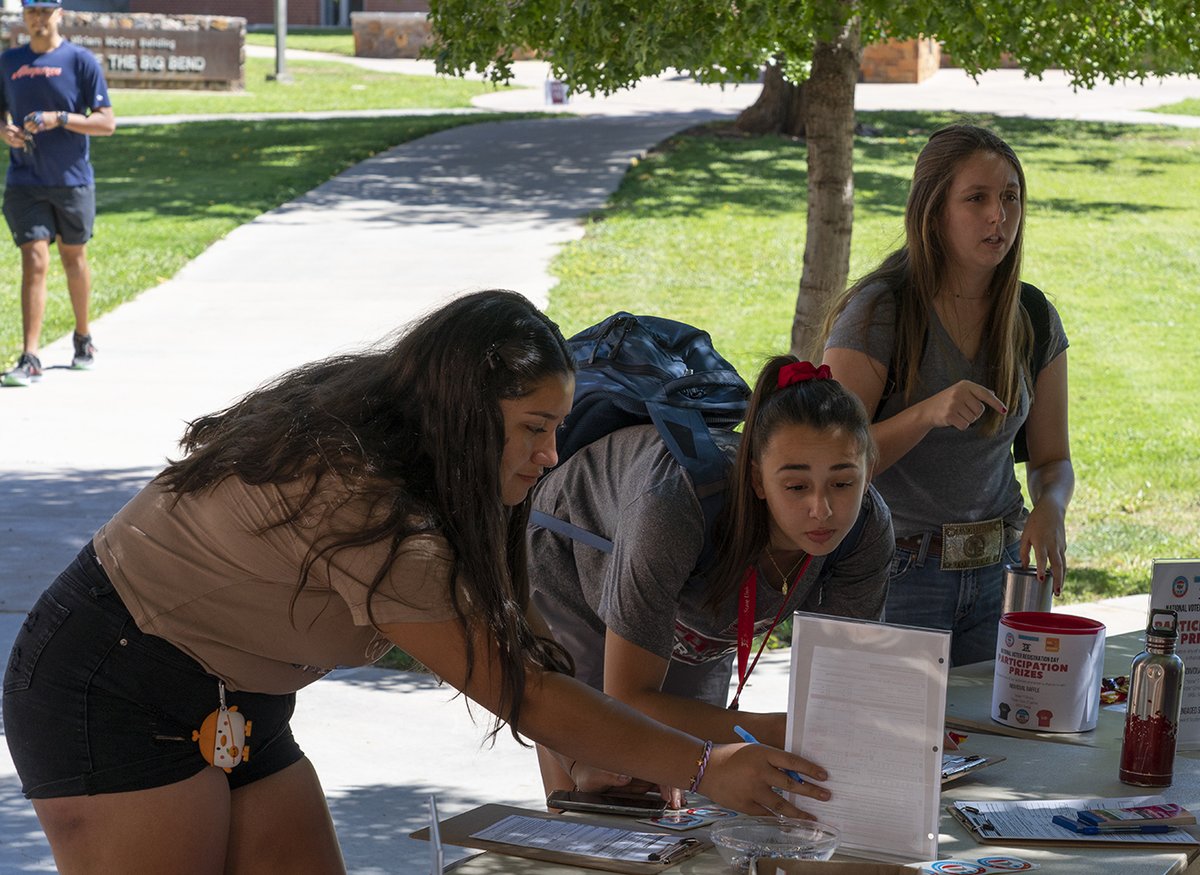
(966, 603)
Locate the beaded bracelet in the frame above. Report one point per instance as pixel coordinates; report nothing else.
(701, 765)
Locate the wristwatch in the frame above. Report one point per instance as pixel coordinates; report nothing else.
(62, 118)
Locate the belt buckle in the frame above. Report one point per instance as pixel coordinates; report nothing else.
(972, 545)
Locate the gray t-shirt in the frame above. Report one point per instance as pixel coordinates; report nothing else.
(951, 476)
(627, 488)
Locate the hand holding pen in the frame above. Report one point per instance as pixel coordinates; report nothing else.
(750, 777)
(750, 739)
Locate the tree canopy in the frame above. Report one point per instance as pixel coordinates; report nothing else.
(601, 46)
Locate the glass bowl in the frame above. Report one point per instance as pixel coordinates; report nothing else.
(741, 842)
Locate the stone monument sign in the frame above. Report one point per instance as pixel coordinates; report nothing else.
(147, 50)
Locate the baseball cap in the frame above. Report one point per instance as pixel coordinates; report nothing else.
(41, 4)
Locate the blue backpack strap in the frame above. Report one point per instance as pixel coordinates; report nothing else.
(569, 530)
(689, 441)
(691, 444)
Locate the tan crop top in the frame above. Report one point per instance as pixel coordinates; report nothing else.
(201, 573)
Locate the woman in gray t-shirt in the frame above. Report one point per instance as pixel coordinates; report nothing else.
(954, 354)
(655, 624)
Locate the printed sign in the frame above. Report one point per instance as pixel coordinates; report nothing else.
(158, 58)
(1175, 586)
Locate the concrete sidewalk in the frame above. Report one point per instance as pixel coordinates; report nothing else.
(479, 206)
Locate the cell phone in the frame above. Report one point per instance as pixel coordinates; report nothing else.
(606, 803)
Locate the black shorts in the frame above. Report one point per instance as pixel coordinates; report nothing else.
(93, 705)
(43, 212)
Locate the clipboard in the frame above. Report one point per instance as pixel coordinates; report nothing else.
(459, 830)
(1035, 826)
(954, 767)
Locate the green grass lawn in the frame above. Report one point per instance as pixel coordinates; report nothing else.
(711, 231)
(1191, 106)
(334, 40)
(316, 85)
(167, 192)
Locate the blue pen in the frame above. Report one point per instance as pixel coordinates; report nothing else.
(1084, 829)
(750, 739)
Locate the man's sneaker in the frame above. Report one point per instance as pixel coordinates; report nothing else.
(85, 352)
(28, 370)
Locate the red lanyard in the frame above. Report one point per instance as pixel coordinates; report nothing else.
(745, 639)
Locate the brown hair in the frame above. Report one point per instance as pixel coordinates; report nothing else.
(415, 432)
(743, 526)
(914, 271)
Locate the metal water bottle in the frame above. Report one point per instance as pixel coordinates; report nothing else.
(1155, 695)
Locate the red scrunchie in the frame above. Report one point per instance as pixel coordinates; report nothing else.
(802, 372)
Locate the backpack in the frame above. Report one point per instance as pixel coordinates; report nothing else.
(636, 370)
(1034, 301)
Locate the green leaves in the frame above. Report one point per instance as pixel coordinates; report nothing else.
(600, 46)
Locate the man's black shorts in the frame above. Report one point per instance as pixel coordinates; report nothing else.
(44, 212)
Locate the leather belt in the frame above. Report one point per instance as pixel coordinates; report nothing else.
(913, 542)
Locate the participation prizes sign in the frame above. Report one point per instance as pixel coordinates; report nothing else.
(1175, 586)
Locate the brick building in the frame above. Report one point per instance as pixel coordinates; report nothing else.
(301, 13)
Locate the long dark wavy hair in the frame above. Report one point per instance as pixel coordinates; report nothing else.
(742, 529)
(416, 433)
(915, 270)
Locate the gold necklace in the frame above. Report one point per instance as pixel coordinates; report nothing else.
(963, 332)
(786, 578)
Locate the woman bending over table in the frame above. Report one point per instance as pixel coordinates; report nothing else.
(656, 623)
(359, 502)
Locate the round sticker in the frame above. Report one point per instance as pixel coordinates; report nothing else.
(956, 867)
(1007, 864)
(1180, 587)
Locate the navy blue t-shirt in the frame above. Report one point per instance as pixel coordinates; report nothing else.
(68, 77)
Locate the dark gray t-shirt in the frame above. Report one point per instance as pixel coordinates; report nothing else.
(627, 488)
(951, 476)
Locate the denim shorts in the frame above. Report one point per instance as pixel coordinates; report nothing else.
(93, 705)
(965, 602)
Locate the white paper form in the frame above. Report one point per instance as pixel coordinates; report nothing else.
(867, 703)
(573, 837)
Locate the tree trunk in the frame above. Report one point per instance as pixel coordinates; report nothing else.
(829, 134)
(779, 108)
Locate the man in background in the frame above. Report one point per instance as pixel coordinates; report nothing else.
(54, 99)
